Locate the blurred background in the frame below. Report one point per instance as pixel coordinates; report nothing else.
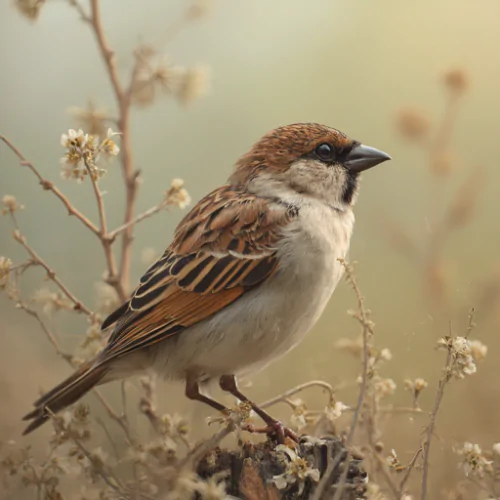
(416, 79)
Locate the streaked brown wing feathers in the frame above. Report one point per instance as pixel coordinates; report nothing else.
(223, 247)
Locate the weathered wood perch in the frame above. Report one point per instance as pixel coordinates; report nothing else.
(252, 471)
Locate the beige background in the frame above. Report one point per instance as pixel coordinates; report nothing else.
(348, 64)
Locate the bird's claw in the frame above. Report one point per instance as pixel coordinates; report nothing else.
(274, 430)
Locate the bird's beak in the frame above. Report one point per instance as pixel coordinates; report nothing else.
(363, 157)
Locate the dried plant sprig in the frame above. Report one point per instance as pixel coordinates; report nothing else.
(94, 120)
(10, 205)
(29, 8)
(362, 315)
(49, 186)
(458, 364)
(78, 305)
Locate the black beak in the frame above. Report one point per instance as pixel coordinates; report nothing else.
(363, 157)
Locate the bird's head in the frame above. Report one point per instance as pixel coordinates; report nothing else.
(307, 159)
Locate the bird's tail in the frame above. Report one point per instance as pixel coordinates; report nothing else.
(67, 392)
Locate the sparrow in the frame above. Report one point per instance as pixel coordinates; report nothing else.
(249, 272)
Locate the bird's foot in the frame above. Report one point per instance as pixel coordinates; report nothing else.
(274, 430)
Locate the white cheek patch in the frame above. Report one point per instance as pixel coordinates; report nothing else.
(327, 183)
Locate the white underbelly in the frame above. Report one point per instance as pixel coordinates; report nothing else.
(268, 321)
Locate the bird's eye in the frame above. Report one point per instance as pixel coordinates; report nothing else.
(325, 152)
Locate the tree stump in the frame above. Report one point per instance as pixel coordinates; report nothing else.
(265, 471)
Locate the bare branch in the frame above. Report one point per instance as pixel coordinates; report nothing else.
(106, 242)
(78, 304)
(49, 186)
(130, 177)
(144, 215)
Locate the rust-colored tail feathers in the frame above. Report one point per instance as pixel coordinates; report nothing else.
(67, 392)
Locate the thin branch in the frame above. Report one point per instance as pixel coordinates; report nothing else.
(362, 316)
(198, 452)
(107, 53)
(409, 470)
(106, 242)
(70, 360)
(144, 215)
(49, 186)
(432, 423)
(294, 390)
(48, 332)
(83, 15)
(77, 304)
(130, 177)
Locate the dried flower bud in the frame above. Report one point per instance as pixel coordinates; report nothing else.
(393, 461)
(297, 470)
(10, 204)
(193, 85)
(108, 146)
(5, 271)
(384, 387)
(412, 124)
(30, 9)
(463, 363)
(91, 119)
(334, 410)
(415, 387)
(385, 354)
(456, 80)
(52, 302)
(177, 195)
(478, 350)
(442, 162)
(199, 9)
(474, 463)
(83, 153)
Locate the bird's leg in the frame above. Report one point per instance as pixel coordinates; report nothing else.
(274, 427)
(193, 392)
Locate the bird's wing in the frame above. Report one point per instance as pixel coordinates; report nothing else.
(225, 246)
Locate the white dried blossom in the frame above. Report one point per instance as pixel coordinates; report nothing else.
(478, 350)
(193, 84)
(84, 152)
(298, 418)
(10, 204)
(374, 492)
(386, 354)
(415, 386)
(52, 302)
(5, 271)
(334, 411)
(463, 362)
(496, 449)
(474, 463)
(212, 489)
(106, 297)
(393, 460)
(108, 146)
(384, 387)
(176, 195)
(297, 470)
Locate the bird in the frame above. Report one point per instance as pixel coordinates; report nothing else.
(248, 273)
